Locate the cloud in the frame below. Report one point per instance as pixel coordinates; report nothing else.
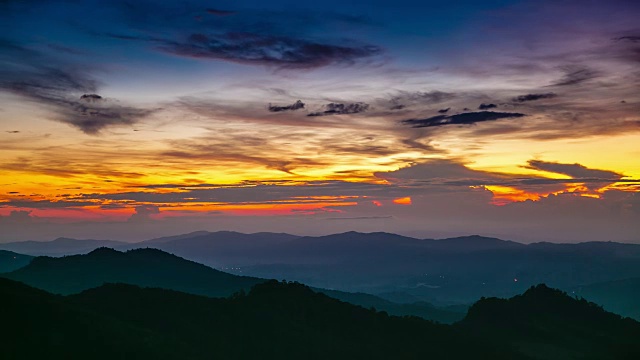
(144, 213)
(18, 216)
(487, 106)
(575, 75)
(461, 119)
(404, 98)
(12, 131)
(633, 39)
(91, 97)
(282, 52)
(594, 178)
(341, 109)
(534, 97)
(58, 86)
(295, 106)
(444, 111)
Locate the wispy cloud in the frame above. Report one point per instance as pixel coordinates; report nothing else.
(341, 109)
(295, 106)
(575, 75)
(58, 86)
(533, 97)
(460, 119)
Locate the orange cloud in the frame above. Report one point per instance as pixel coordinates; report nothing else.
(402, 201)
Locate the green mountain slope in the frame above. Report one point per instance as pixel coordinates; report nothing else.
(143, 267)
(10, 261)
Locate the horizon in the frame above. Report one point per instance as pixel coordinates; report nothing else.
(206, 232)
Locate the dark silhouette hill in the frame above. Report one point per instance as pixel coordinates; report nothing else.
(59, 246)
(546, 323)
(143, 267)
(274, 320)
(10, 261)
(277, 320)
(39, 325)
(155, 268)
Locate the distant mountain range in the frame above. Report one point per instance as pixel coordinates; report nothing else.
(398, 268)
(284, 320)
(59, 246)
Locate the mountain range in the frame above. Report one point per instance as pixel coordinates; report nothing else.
(155, 268)
(400, 269)
(287, 320)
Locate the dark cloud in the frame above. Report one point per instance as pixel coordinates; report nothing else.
(593, 179)
(218, 12)
(18, 216)
(487, 106)
(295, 106)
(444, 111)
(58, 87)
(12, 131)
(633, 39)
(573, 170)
(282, 52)
(91, 97)
(575, 75)
(534, 97)
(144, 212)
(340, 109)
(460, 119)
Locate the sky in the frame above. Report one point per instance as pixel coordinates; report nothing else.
(134, 119)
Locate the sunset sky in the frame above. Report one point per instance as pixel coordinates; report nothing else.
(134, 119)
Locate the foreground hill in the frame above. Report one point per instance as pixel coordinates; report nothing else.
(273, 321)
(143, 267)
(10, 261)
(546, 323)
(278, 320)
(39, 325)
(155, 268)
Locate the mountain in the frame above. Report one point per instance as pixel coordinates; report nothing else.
(220, 249)
(155, 268)
(546, 323)
(59, 246)
(274, 320)
(285, 320)
(444, 272)
(10, 261)
(39, 325)
(455, 271)
(619, 296)
(143, 267)
(421, 309)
